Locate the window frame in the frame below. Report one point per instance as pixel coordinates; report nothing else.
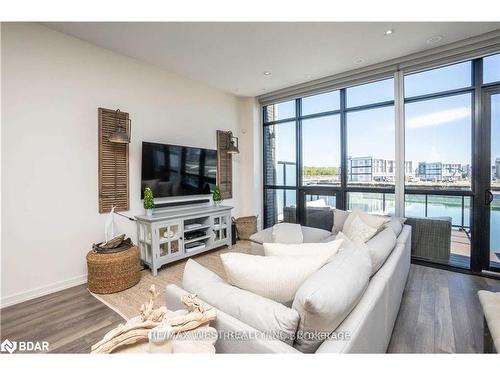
(340, 191)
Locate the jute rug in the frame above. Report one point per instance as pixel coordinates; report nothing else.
(128, 302)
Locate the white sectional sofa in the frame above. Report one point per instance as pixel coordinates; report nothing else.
(243, 316)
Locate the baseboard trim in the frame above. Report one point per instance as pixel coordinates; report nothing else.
(14, 299)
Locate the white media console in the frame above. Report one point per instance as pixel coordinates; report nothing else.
(178, 233)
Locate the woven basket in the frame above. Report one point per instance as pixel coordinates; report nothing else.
(246, 226)
(111, 273)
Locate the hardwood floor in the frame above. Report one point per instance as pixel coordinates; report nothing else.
(71, 320)
(440, 313)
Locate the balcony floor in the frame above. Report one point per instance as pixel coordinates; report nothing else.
(460, 250)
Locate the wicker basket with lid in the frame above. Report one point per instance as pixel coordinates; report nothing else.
(114, 272)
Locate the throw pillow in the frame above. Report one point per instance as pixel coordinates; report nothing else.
(276, 278)
(395, 224)
(328, 296)
(297, 250)
(346, 240)
(339, 218)
(374, 221)
(360, 231)
(256, 311)
(287, 233)
(380, 247)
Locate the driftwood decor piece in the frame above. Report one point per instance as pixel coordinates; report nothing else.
(137, 329)
(113, 163)
(224, 165)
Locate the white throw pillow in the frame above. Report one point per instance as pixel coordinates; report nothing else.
(327, 297)
(303, 249)
(346, 240)
(359, 231)
(375, 221)
(276, 278)
(287, 233)
(339, 218)
(256, 311)
(380, 247)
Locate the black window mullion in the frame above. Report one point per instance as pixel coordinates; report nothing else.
(298, 159)
(341, 203)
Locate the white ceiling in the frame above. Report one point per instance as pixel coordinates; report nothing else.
(234, 56)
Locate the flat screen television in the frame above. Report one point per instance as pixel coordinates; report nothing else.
(172, 171)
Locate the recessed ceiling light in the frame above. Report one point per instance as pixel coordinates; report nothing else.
(359, 60)
(267, 73)
(389, 32)
(434, 39)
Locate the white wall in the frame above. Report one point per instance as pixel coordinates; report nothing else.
(52, 85)
(250, 158)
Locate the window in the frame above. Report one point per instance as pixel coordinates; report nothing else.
(279, 206)
(279, 111)
(371, 147)
(279, 154)
(491, 69)
(326, 102)
(457, 208)
(369, 93)
(438, 142)
(321, 151)
(438, 158)
(448, 78)
(376, 203)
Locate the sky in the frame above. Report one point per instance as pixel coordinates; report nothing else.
(435, 130)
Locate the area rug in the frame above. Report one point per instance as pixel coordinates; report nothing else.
(128, 302)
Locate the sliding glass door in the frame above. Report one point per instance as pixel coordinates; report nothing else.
(489, 208)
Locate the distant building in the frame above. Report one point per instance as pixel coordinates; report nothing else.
(497, 168)
(438, 171)
(369, 169)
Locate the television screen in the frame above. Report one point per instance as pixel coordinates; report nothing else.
(172, 171)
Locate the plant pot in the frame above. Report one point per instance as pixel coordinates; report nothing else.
(217, 203)
(149, 212)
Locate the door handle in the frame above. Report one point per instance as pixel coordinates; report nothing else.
(488, 197)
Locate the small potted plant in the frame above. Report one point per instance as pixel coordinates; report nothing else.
(149, 202)
(217, 198)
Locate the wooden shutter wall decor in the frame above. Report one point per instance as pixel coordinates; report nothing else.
(224, 165)
(113, 164)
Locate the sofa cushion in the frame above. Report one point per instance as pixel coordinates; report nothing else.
(277, 278)
(294, 250)
(359, 231)
(347, 242)
(379, 248)
(396, 224)
(339, 218)
(310, 234)
(330, 238)
(287, 233)
(258, 312)
(327, 297)
(374, 221)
